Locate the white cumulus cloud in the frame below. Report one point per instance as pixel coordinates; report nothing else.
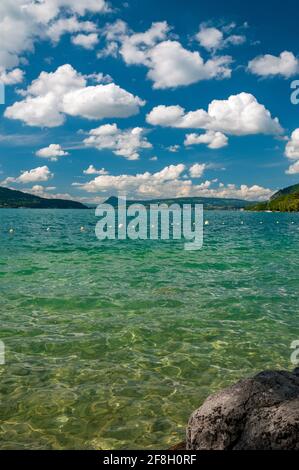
(91, 170)
(69, 25)
(293, 169)
(87, 41)
(248, 193)
(24, 22)
(142, 185)
(13, 77)
(292, 152)
(46, 192)
(169, 64)
(54, 95)
(239, 115)
(214, 140)
(52, 152)
(197, 170)
(125, 143)
(212, 38)
(286, 65)
(101, 101)
(292, 146)
(39, 174)
(171, 181)
(173, 148)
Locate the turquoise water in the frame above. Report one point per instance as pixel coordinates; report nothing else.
(111, 345)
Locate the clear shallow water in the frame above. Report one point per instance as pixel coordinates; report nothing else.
(111, 345)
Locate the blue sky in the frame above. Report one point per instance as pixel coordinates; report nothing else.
(85, 90)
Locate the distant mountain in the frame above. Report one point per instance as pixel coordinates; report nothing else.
(209, 203)
(284, 200)
(11, 199)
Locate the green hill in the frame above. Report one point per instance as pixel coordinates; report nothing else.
(209, 203)
(286, 191)
(284, 200)
(11, 199)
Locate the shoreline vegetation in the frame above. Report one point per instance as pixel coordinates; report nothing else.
(285, 200)
(12, 199)
(209, 203)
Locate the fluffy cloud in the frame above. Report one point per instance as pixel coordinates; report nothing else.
(170, 182)
(46, 192)
(292, 152)
(293, 169)
(143, 185)
(38, 187)
(173, 148)
(64, 79)
(99, 77)
(214, 140)
(69, 25)
(17, 31)
(41, 191)
(292, 147)
(40, 111)
(166, 116)
(42, 105)
(169, 64)
(248, 193)
(87, 41)
(286, 65)
(136, 47)
(23, 22)
(41, 173)
(238, 115)
(91, 170)
(52, 152)
(125, 143)
(11, 78)
(212, 38)
(197, 170)
(53, 95)
(101, 101)
(49, 9)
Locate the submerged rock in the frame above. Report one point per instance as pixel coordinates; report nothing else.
(261, 412)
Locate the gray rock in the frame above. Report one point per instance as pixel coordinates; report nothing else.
(261, 412)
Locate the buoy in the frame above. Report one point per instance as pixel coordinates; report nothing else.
(82, 229)
(207, 222)
(48, 229)
(11, 230)
(242, 223)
